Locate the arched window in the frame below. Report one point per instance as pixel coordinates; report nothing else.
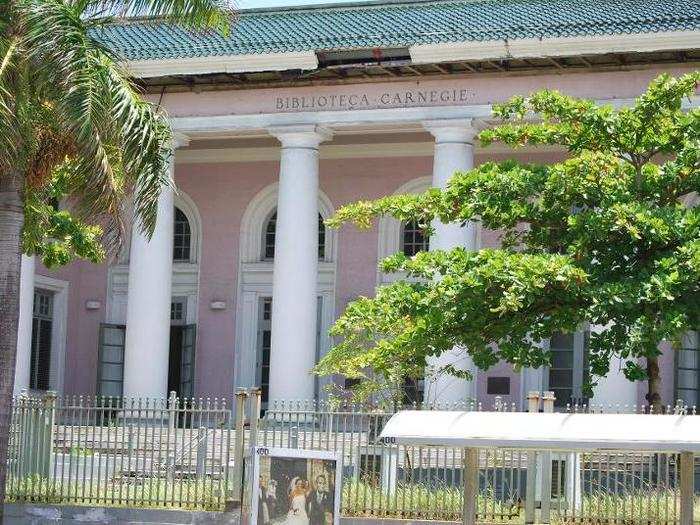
(269, 237)
(268, 244)
(321, 238)
(182, 237)
(413, 239)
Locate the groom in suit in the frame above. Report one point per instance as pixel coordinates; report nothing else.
(319, 502)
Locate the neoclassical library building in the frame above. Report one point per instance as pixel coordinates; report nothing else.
(296, 112)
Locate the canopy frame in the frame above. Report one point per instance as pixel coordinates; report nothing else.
(549, 432)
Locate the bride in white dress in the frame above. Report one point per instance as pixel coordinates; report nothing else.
(297, 504)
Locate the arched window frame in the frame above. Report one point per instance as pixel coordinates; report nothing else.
(188, 208)
(267, 246)
(256, 218)
(182, 237)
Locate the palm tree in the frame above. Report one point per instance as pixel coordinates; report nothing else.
(66, 105)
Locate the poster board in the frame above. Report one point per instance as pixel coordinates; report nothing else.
(295, 487)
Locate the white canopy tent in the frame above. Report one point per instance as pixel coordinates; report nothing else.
(550, 431)
(570, 432)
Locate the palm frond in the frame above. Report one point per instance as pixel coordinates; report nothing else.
(10, 135)
(145, 138)
(198, 14)
(65, 100)
(121, 143)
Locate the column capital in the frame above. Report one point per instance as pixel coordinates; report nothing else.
(301, 136)
(179, 140)
(454, 130)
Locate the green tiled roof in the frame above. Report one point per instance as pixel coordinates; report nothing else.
(401, 24)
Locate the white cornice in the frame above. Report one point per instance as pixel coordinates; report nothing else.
(345, 151)
(340, 121)
(216, 124)
(304, 60)
(554, 47)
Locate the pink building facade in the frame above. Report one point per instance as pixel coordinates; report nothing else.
(241, 281)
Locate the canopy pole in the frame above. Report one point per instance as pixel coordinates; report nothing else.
(546, 466)
(687, 487)
(533, 406)
(471, 485)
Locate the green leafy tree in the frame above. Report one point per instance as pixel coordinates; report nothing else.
(608, 236)
(73, 126)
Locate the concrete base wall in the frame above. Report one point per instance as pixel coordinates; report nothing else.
(392, 521)
(16, 514)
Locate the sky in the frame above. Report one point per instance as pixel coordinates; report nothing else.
(245, 4)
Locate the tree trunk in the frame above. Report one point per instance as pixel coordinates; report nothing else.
(654, 385)
(11, 222)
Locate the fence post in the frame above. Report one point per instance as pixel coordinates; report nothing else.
(572, 482)
(329, 422)
(172, 425)
(471, 485)
(294, 437)
(687, 487)
(50, 399)
(130, 443)
(201, 452)
(172, 410)
(255, 408)
(546, 482)
(389, 468)
(37, 435)
(23, 449)
(533, 405)
(239, 445)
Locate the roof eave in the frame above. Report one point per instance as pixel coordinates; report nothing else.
(554, 47)
(304, 60)
(428, 53)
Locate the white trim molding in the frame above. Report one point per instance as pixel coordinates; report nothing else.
(305, 60)
(255, 217)
(255, 282)
(554, 47)
(59, 288)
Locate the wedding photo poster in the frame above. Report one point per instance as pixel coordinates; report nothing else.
(296, 487)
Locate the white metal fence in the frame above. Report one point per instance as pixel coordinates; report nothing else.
(124, 452)
(188, 454)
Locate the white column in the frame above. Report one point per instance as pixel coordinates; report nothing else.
(24, 329)
(295, 275)
(147, 345)
(454, 151)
